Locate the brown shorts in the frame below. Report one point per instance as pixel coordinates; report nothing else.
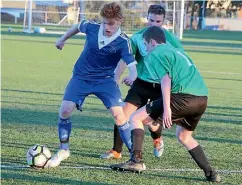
(186, 109)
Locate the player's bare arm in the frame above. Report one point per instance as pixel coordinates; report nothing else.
(61, 42)
(119, 70)
(166, 92)
(132, 74)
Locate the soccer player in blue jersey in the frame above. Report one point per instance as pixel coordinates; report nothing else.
(93, 72)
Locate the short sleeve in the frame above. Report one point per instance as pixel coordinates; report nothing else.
(127, 54)
(83, 26)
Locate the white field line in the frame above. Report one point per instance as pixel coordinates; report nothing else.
(107, 168)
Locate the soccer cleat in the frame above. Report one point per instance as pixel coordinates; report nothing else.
(57, 158)
(158, 147)
(111, 154)
(130, 165)
(213, 177)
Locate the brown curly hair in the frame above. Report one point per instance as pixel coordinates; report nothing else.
(111, 10)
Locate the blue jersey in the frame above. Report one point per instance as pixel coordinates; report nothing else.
(101, 54)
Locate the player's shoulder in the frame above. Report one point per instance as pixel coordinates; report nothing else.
(90, 23)
(162, 50)
(138, 34)
(166, 31)
(124, 36)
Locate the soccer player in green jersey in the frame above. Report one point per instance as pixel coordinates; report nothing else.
(183, 101)
(144, 88)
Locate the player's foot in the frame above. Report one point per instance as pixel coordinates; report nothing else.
(158, 147)
(213, 177)
(57, 158)
(130, 165)
(111, 154)
(135, 164)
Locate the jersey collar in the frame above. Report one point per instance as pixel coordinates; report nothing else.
(103, 40)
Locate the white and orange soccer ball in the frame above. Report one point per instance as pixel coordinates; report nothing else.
(38, 156)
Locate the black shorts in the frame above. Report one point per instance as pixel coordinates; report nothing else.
(186, 109)
(142, 91)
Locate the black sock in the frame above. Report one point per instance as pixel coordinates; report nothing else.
(201, 160)
(117, 141)
(137, 137)
(157, 133)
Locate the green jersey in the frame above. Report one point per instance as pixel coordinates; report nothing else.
(185, 78)
(139, 50)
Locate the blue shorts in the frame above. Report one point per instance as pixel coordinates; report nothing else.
(107, 91)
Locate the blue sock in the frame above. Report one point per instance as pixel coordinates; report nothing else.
(125, 134)
(64, 129)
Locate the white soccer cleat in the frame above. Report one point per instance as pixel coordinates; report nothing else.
(55, 161)
(158, 147)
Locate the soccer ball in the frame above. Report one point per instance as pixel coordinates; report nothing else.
(38, 156)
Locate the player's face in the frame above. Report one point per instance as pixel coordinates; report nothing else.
(149, 46)
(110, 26)
(155, 19)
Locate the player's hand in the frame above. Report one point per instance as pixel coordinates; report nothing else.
(127, 81)
(167, 122)
(59, 44)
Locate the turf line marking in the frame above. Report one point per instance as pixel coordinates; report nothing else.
(224, 73)
(107, 168)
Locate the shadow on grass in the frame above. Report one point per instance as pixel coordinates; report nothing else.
(92, 122)
(17, 33)
(177, 177)
(224, 108)
(12, 176)
(213, 35)
(223, 114)
(80, 37)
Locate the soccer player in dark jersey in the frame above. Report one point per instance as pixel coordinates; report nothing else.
(183, 101)
(144, 88)
(93, 72)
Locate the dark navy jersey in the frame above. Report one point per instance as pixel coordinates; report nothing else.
(101, 54)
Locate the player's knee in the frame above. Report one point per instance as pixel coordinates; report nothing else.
(65, 112)
(133, 118)
(153, 127)
(119, 118)
(183, 138)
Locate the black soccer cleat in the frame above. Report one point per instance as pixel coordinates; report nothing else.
(213, 177)
(131, 166)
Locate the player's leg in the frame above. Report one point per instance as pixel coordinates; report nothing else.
(155, 132)
(142, 116)
(140, 93)
(115, 152)
(72, 97)
(184, 136)
(155, 128)
(110, 95)
(132, 102)
(192, 108)
(64, 131)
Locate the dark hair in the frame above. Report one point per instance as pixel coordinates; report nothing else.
(156, 33)
(111, 10)
(157, 9)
